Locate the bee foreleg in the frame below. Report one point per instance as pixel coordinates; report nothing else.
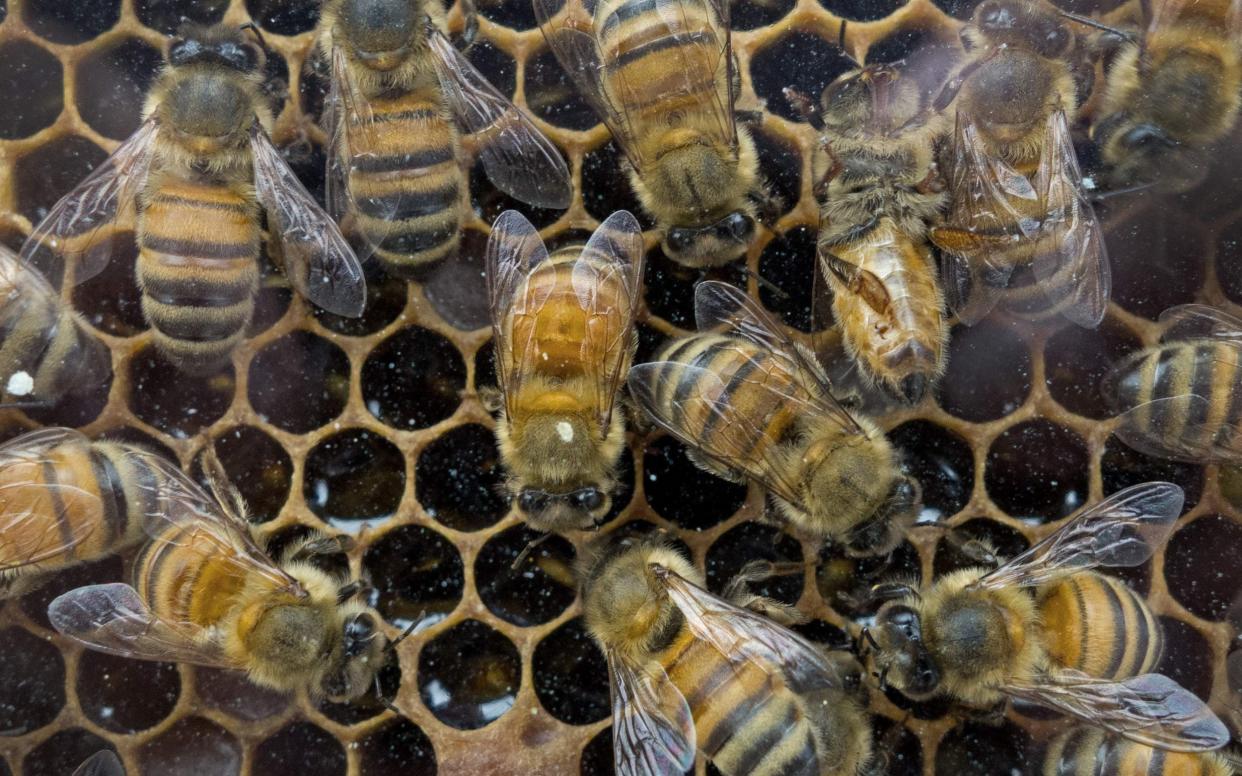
(470, 25)
(977, 550)
(804, 106)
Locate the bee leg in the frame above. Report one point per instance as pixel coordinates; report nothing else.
(492, 398)
(804, 106)
(737, 591)
(315, 546)
(751, 118)
(712, 467)
(470, 25)
(977, 550)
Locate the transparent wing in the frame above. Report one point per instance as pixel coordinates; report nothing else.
(739, 634)
(1205, 321)
(71, 226)
(1164, 14)
(518, 158)
(1151, 709)
(345, 110)
(652, 728)
(317, 260)
(721, 304)
(104, 763)
(113, 618)
(513, 249)
(31, 506)
(733, 440)
(1124, 529)
(1075, 268)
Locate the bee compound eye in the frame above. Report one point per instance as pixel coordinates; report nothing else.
(741, 226)
(532, 501)
(359, 632)
(589, 499)
(679, 239)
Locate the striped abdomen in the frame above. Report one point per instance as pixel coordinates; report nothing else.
(1099, 626)
(406, 181)
(1088, 751)
(186, 578)
(198, 269)
(71, 503)
(1202, 382)
(747, 720)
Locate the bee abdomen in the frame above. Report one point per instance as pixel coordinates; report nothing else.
(46, 340)
(1088, 751)
(1099, 626)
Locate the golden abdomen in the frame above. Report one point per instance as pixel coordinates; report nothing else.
(1099, 626)
(1088, 751)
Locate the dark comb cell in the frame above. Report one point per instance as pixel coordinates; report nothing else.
(489, 201)
(571, 677)
(398, 749)
(284, 17)
(781, 163)
(989, 373)
(1123, 466)
(942, 463)
(495, 65)
(112, 86)
(750, 542)
(299, 382)
(258, 467)
(63, 752)
(958, 9)
(1037, 470)
(1187, 657)
(789, 278)
(862, 10)
(413, 379)
(897, 748)
(818, 63)
(124, 695)
(597, 757)
(112, 301)
(457, 287)
(300, 748)
(458, 479)
(537, 589)
(1003, 540)
(606, 188)
(753, 14)
(35, 603)
(978, 749)
(237, 696)
(386, 298)
(551, 96)
(920, 56)
(354, 476)
(1200, 567)
(75, 22)
(51, 171)
(183, 406)
(1164, 264)
(1076, 360)
(193, 745)
(418, 575)
(670, 286)
(682, 492)
(29, 70)
(168, 17)
(469, 675)
(32, 682)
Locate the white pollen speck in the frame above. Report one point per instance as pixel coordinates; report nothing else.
(20, 384)
(565, 431)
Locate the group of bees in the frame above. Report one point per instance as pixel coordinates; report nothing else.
(985, 170)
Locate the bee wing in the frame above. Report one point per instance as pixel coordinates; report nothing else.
(113, 618)
(1207, 322)
(740, 634)
(652, 727)
(1122, 530)
(513, 249)
(343, 110)
(96, 201)
(26, 535)
(518, 158)
(317, 260)
(1180, 428)
(1151, 709)
(859, 280)
(730, 444)
(1077, 269)
(721, 304)
(103, 763)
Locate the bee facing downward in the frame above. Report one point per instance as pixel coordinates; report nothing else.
(1046, 629)
(753, 405)
(564, 338)
(205, 594)
(691, 671)
(196, 176)
(400, 93)
(661, 77)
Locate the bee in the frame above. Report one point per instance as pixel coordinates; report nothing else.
(691, 671)
(66, 500)
(1180, 399)
(1045, 628)
(1091, 752)
(204, 593)
(195, 177)
(662, 78)
(564, 338)
(1171, 91)
(752, 405)
(876, 163)
(400, 93)
(1019, 224)
(102, 763)
(46, 350)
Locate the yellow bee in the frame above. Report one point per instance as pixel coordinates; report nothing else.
(205, 594)
(400, 93)
(564, 338)
(661, 77)
(691, 671)
(1089, 752)
(1045, 628)
(195, 177)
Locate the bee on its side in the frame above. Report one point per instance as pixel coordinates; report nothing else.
(205, 594)
(1087, 751)
(752, 405)
(1182, 399)
(662, 79)
(102, 763)
(1019, 225)
(1172, 89)
(876, 164)
(400, 95)
(46, 351)
(564, 339)
(691, 671)
(195, 178)
(66, 500)
(1047, 629)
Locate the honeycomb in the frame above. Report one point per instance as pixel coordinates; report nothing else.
(374, 427)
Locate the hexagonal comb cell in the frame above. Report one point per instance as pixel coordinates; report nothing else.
(1076, 360)
(682, 492)
(283, 17)
(354, 476)
(304, 365)
(1038, 470)
(523, 583)
(192, 744)
(398, 749)
(181, 407)
(942, 463)
(469, 675)
(989, 373)
(300, 747)
(418, 574)
(458, 479)
(51, 171)
(413, 379)
(62, 752)
(785, 266)
(571, 675)
(168, 18)
(124, 695)
(32, 682)
(749, 542)
(28, 68)
(1197, 568)
(76, 22)
(112, 85)
(258, 467)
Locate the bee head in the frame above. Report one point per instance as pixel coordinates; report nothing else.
(213, 88)
(362, 647)
(901, 655)
(380, 33)
(1141, 153)
(711, 245)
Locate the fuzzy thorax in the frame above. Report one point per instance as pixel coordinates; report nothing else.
(559, 450)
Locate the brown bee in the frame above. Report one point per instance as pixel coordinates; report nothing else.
(1090, 752)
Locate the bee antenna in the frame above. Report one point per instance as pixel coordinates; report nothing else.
(409, 629)
(384, 701)
(250, 26)
(531, 545)
(1089, 22)
(841, 45)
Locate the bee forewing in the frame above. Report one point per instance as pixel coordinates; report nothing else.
(652, 727)
(1201, 321)
(104, 763)
(513, 248)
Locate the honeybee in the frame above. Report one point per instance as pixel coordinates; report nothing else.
(400, 90)
(194, 177)
(66, 500)
(1019, 224)
(205, 594)
(1092, 752)
(102, 763)
(691, 671)
(752, 405)
(1179, 399)
(46, 351)
(564, 338)
(1045, 628)
(1171, 90)
(662, 79)
(876, 162)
